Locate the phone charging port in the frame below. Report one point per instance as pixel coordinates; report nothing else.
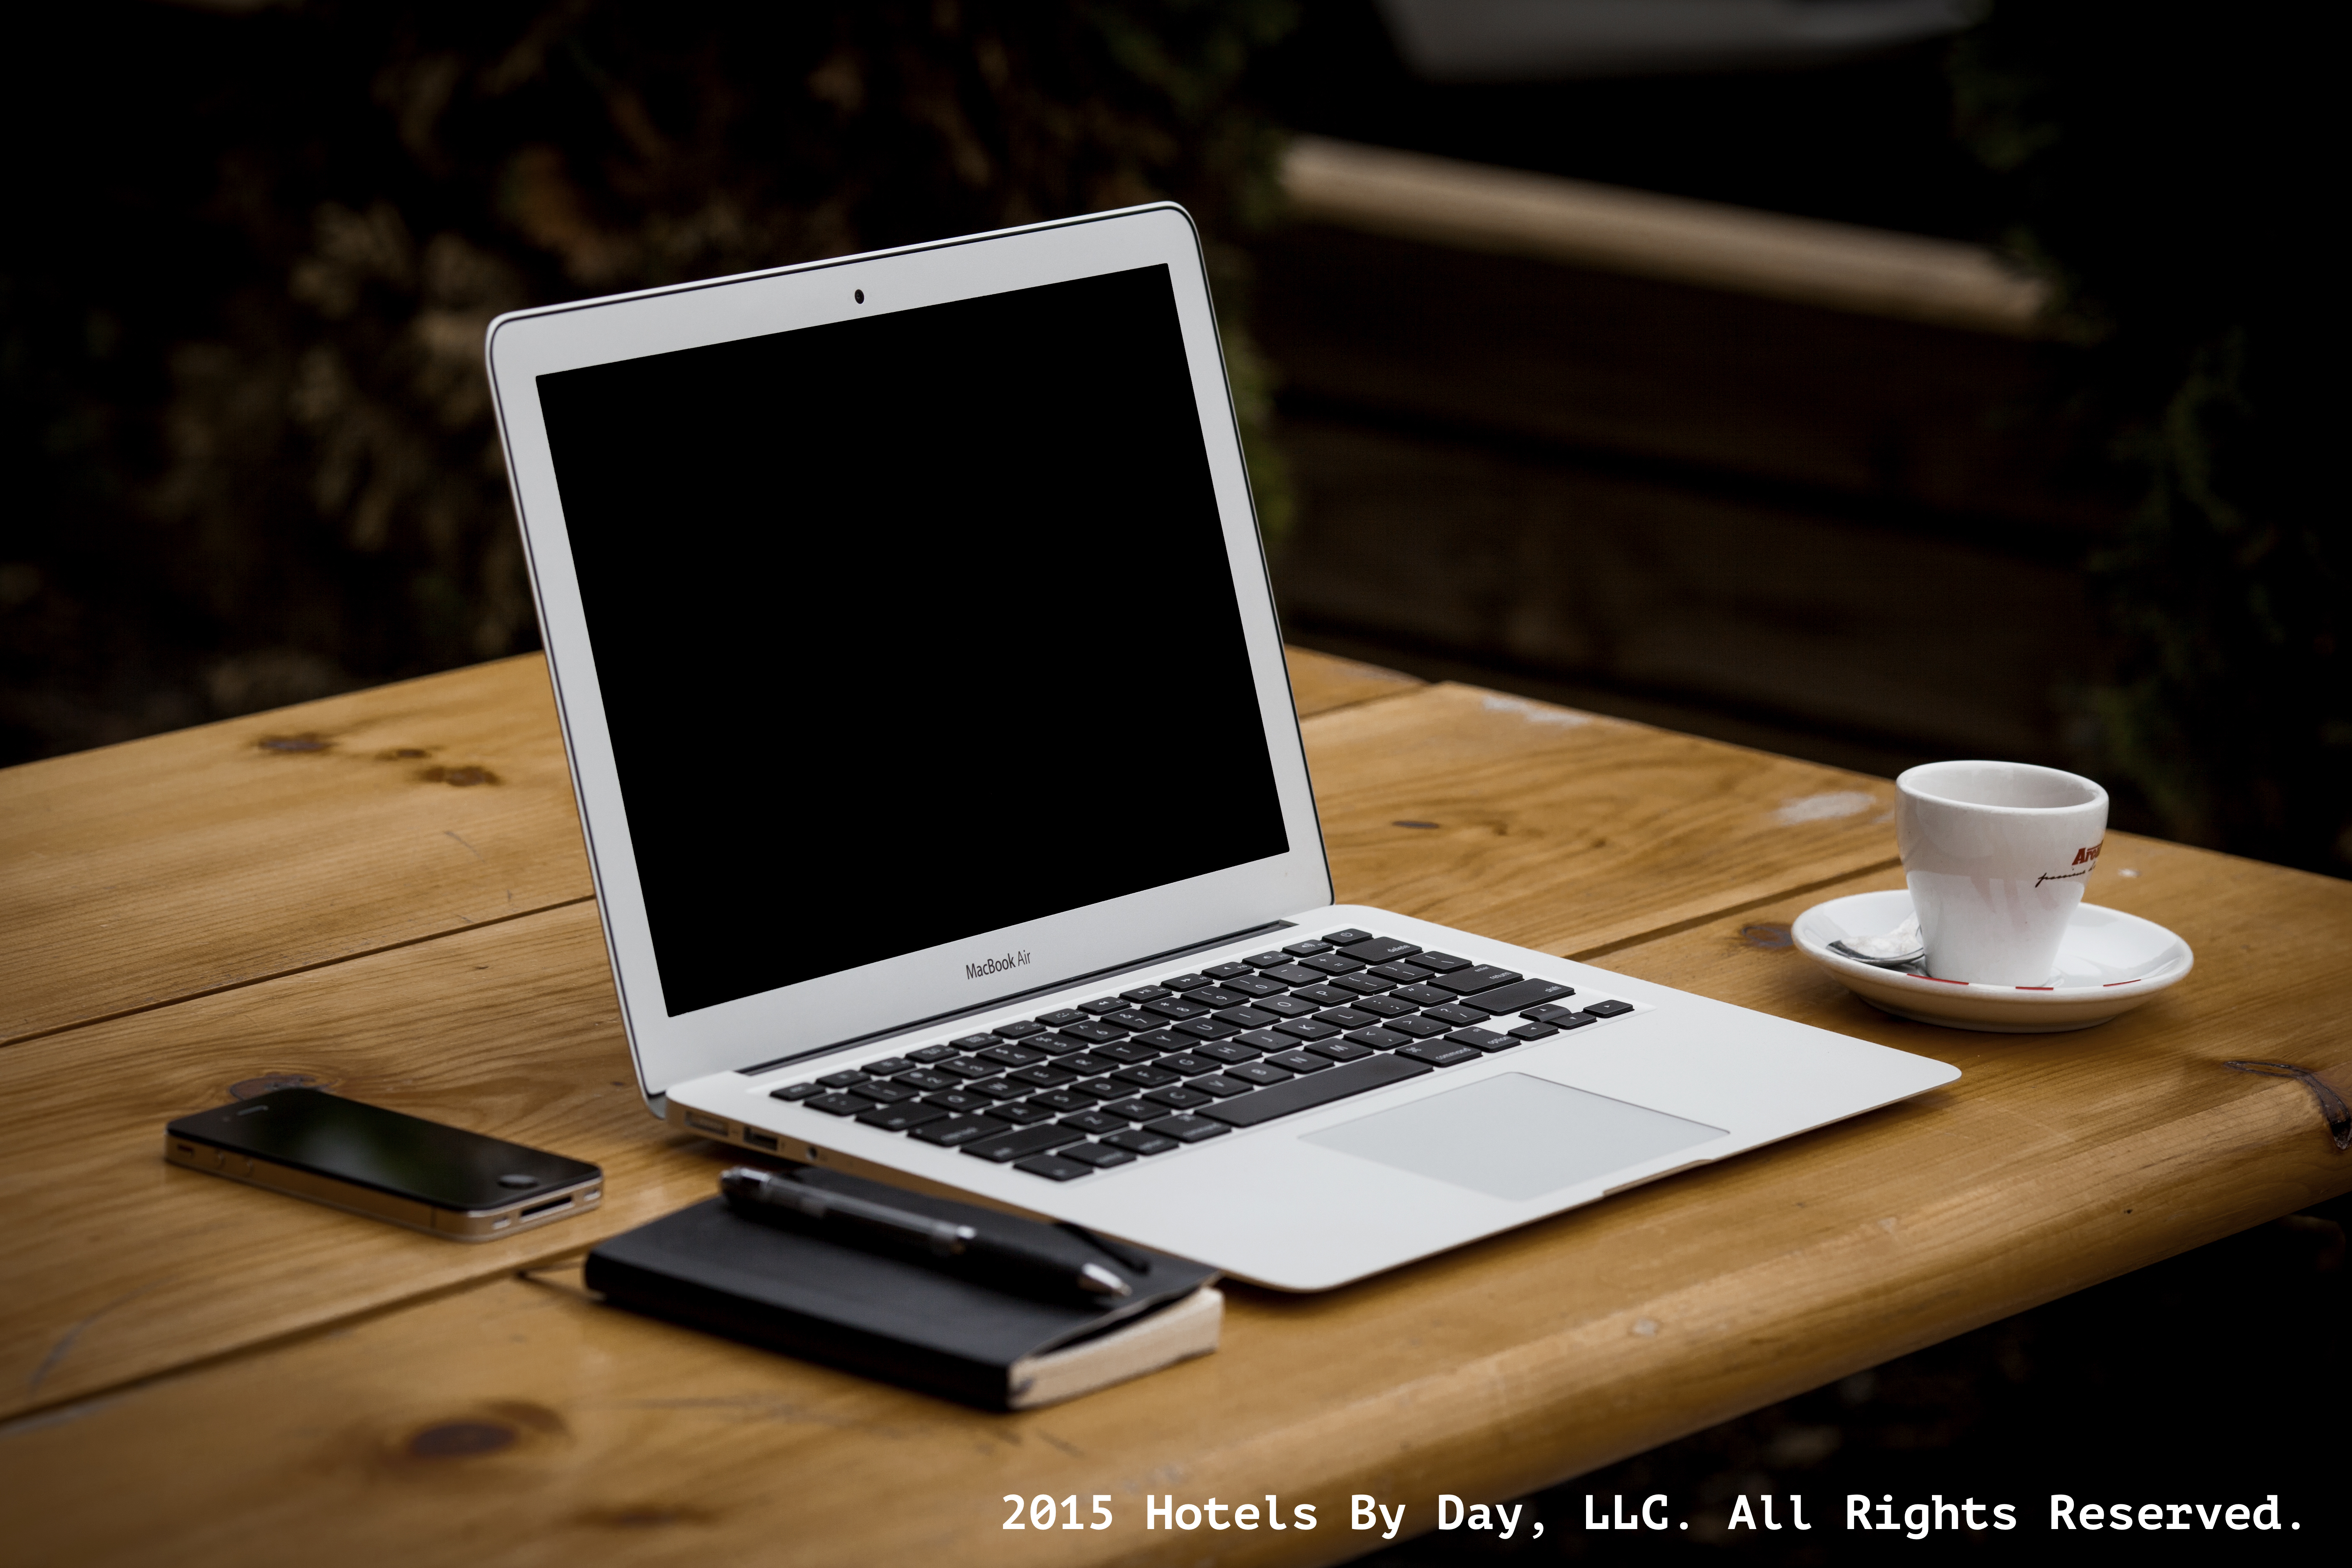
(549, 1206)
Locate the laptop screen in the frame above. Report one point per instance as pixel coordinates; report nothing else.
(910, 628)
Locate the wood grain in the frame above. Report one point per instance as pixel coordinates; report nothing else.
(137, 874)
(1321, 682)
(513, 1421)
(512, 1030)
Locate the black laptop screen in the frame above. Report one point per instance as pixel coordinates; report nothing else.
(910, 628)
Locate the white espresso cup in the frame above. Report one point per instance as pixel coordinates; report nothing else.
(1996, 855)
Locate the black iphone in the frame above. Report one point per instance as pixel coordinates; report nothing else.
(385, 1164)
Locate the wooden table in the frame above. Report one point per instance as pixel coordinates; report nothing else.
(385, 893)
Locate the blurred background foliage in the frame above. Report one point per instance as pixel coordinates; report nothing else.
(248, 457)
(249, 452)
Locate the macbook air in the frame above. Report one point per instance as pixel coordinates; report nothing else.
(926, 704)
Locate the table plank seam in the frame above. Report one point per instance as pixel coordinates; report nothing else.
(251, 980)
(1619, 944)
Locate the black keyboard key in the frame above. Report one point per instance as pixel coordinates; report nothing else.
(1331, 963)
(958, 1100)
(1554, 1013)
(1184, 1064)
(1128, 1054)
(1019, 1029)
(1611, 1009)
(901, 1117)
(1009, 1056)
(1095, 1154)
(997, 1089)
(1135, 1140)
(1087, 1032)
(1402, 974)
(1145, 1076)
(1345, 1019)
(1306, 1029)
(1362, 984)
(1266, 960)
(1284, 1007)
(1324, 995)
(1216, 996)
(1385, 1006)
(1340, 1050)
(1300, 1061)
(1456, 1015)
(1001, 1148)
(1224, 1085)
(1381, 1040)
(1192, 1129)
(1258, 1073)
(1134, 1109)
(1477, 978)
(1179, 1098)
(1088, 1064)
(1519, 998)
(1021, 1113)
(1305, 948)
(1307, 1093)
(1143, 993)
(888, 1067)
(1379, 949)
(1061, 1018)
(839, 1104)
(1043, 1077)
(1225, 1052)
(1438, 1053)
(796, 1091)
(1291, 974)
(1093, 1089)
(1185, 982)
(1422, 996)
(1534, 1032)
(925, 1079)
(1437, 962)
(1094, 1121)
(973, 1042)
(1063, 1100)
(1102, 1004)
(958, 1130)
(842, 1079)
(1348, 937)
(1053, 1167)
(1418, 1027)
(1134, 1020)
(1265, 1040)
(886, 1093)
(1208, 1028)
(1481, 1039)
(1224, 972)
(1249, 1017)
(1054, 1044)
(1251, 985)
(1162, 1040)
(964, 1068)
(1176, 1007)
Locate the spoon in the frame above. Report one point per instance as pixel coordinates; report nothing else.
(1895, 950)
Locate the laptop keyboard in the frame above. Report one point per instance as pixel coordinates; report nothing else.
(1159, 1068)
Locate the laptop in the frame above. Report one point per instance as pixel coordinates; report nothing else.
(949, 820)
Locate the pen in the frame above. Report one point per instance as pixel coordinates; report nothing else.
(763, 1194)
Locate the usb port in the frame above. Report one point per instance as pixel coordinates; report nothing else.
(549, 1206)
(701, 1123)
(761, 1140)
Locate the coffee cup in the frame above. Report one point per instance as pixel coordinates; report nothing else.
(1997, 856)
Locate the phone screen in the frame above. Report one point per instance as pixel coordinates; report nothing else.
(448, 1167)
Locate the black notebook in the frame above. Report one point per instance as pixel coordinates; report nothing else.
(897, 1318)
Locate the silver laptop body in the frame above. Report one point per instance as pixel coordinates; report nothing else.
(950, 821)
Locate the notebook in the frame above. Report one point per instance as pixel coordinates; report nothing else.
(925, 700)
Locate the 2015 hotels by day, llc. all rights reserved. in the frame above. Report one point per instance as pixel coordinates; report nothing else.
(1793, 1512)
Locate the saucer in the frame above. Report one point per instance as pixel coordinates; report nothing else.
(2108, 964)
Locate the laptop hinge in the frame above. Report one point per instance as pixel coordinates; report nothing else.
(1063, 985)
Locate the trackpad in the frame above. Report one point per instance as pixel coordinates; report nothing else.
(1514, 1136)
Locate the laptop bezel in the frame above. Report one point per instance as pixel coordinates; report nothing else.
(937, 981)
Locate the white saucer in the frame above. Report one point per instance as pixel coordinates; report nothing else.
(2109, 964)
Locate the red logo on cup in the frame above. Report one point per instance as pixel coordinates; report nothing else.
(2084, 856)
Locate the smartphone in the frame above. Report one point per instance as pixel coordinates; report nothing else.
(384, 1165)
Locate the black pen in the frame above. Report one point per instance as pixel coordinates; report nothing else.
(751, 1190)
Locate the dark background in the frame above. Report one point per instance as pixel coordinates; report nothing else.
(247, 458)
